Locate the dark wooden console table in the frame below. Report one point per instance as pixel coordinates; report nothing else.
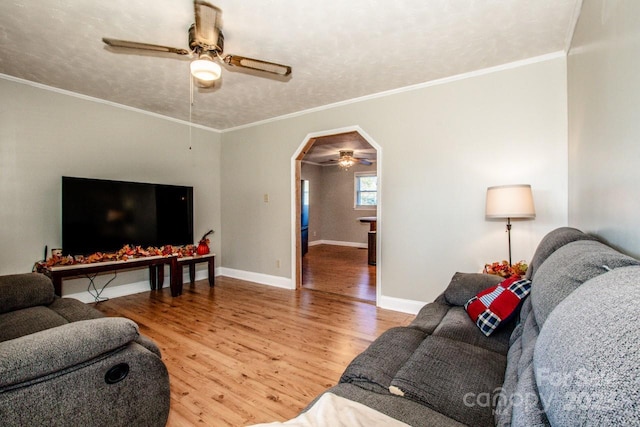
(154, 263)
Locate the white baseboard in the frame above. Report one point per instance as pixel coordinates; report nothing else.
(133, 288)
(399, 304)
(338, 243)
(263, 279)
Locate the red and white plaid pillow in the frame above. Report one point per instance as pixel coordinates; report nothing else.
(494, 305)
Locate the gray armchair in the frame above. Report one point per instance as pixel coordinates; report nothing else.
(63, 363)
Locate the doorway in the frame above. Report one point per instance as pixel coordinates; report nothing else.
(340, 246)
(340, 270)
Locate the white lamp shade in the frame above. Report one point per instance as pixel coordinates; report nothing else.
(510, 201)
(205, 70)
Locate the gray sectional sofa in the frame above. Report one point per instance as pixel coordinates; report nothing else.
(62, 363)
(571, 355)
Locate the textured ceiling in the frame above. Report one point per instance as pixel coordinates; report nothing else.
(338, 49)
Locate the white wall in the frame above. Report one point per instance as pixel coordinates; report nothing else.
(46, 134)
(604, 125)
(340, 219)
(443, 145)
(332, 214)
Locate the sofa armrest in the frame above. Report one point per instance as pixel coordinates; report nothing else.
(52, 350)
(149, 344)
(464, 286)
(25, 290)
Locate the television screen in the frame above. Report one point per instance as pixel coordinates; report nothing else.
(103, 215)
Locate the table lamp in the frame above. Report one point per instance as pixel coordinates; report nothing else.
(510, 201)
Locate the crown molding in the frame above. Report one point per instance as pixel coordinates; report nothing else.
(103, 101)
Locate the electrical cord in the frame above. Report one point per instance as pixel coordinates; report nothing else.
(96, 296)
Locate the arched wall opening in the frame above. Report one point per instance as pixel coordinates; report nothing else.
(296, 162)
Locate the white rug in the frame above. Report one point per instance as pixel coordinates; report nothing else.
(335, 411)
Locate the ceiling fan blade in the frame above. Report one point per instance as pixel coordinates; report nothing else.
(207, 28)
(143, 46)
(365, 162)
(257, 64)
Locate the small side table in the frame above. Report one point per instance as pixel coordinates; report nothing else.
(176, 270)
(372, 220)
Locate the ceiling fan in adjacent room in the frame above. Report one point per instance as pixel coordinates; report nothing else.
(347, 159)
(206, 44)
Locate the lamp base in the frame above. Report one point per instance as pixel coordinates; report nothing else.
(509, 238)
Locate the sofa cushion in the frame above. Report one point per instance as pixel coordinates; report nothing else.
(74, 310)
(519, 361)
(589, 374)
(457, 326)
(27, 321)
(526, 406)
(374, 368)
(464, 286)
(525, 310)
(567, 268)
(452, 377)
(504, 407)
(494, 306)
(430, 316)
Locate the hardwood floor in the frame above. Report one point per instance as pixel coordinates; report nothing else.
(339, 270)
(241, 353)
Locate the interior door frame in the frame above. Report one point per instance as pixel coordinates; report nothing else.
(296, 162)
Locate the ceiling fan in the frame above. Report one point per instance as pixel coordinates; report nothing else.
(206, 43)
(346, 159)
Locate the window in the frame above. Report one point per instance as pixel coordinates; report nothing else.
(366, 190)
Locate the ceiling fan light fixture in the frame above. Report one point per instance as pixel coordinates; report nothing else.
(206, 40)
(346, 159)
(346, 163)
(205, 69)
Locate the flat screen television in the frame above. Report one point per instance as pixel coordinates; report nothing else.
(103, 215)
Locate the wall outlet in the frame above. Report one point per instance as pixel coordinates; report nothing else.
(277, 263)
(266, 197)
(314, 234)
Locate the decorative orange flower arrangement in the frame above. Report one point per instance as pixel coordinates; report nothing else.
(125, 253)
(503, 269)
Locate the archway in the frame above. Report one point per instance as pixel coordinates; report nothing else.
(296, 160)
